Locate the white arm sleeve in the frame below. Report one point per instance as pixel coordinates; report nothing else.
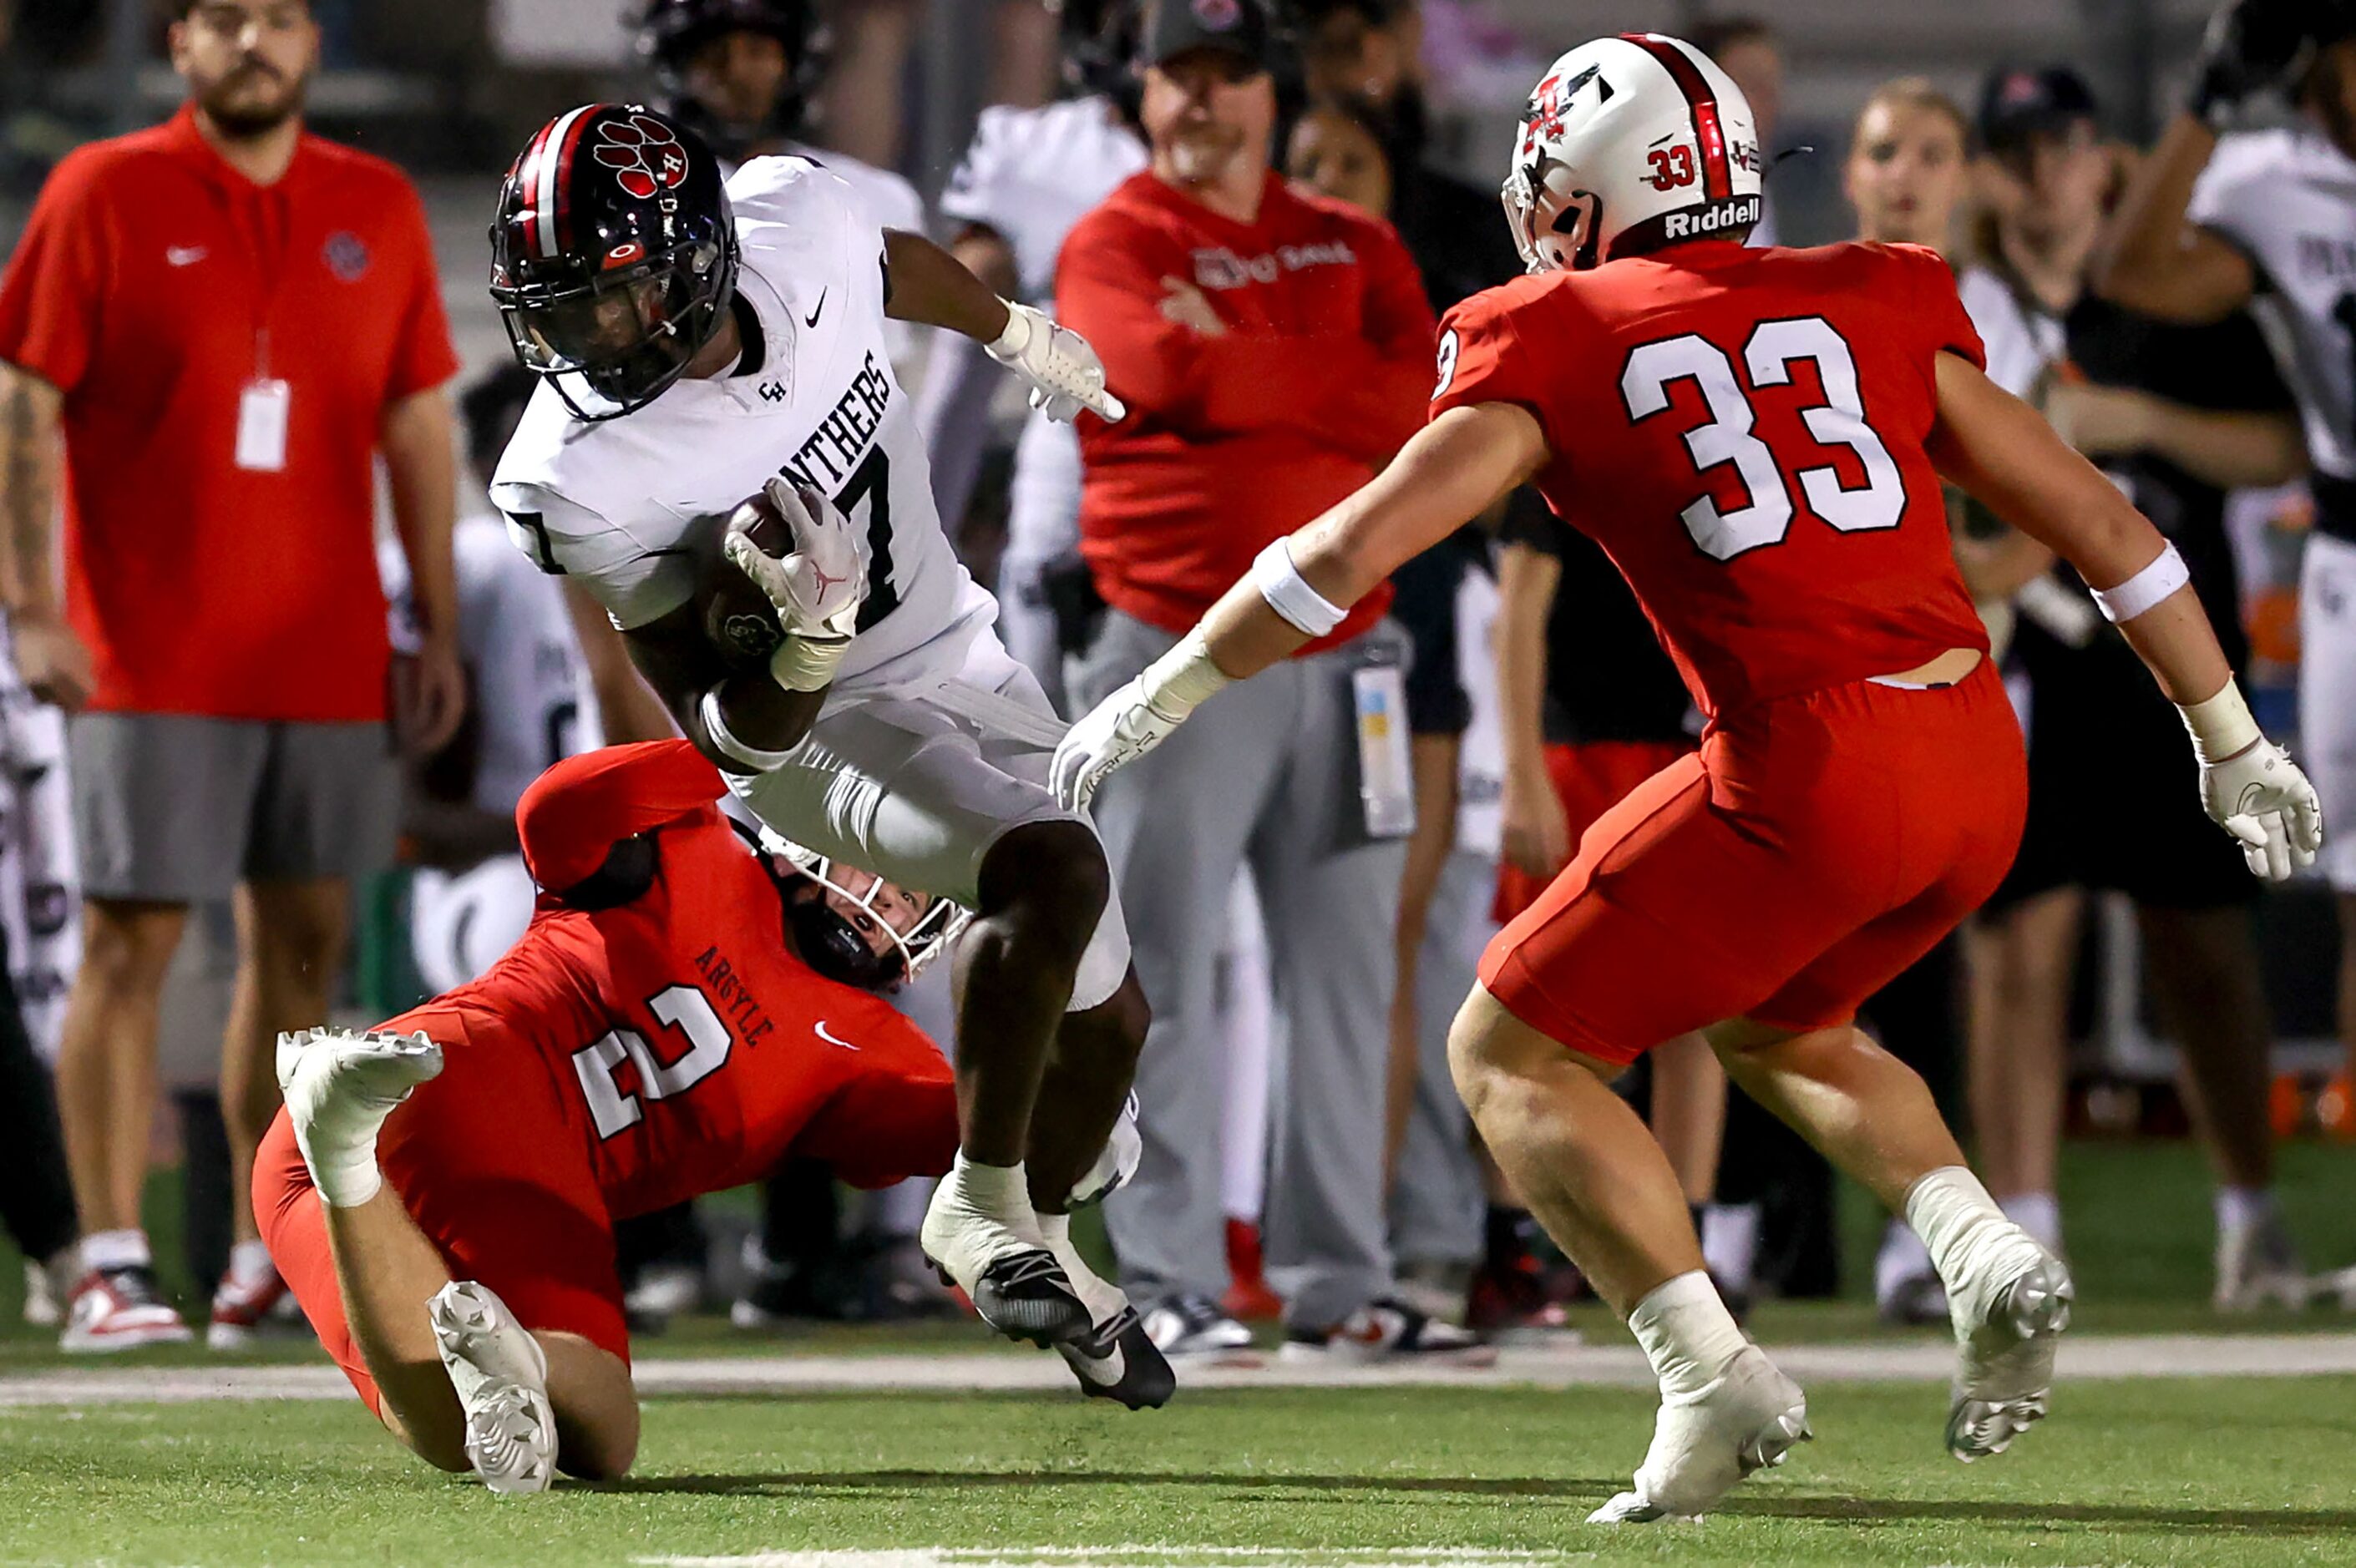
(637, 581)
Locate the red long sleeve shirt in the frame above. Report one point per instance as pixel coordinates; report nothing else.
(1235, 440)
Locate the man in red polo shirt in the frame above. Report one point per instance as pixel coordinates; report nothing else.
(221, 321)
(1272, 348)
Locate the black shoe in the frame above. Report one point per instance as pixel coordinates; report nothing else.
(1026, 1296)
(1118, 1359)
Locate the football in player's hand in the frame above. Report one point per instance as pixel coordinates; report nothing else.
(738, 619)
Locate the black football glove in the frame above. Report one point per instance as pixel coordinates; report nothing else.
(2251, 46)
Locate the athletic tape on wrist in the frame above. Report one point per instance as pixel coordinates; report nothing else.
(1289, 593)
(716, 724)
(2166, 573)
(2221, 725)
(1177, 682)
(1015, 336)
(806, 663)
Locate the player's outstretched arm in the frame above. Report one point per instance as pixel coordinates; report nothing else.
(1997, 448)
(932, 287)
(2150, 259)
(1301, 587)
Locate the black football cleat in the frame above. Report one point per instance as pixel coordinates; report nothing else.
(1026, 1296)
(1118, 1359)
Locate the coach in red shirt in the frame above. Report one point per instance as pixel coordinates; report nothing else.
(1274, 350)
(226, 319)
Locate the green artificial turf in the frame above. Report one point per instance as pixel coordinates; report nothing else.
(2217, 1474)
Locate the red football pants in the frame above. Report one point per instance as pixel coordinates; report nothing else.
(1814, 848)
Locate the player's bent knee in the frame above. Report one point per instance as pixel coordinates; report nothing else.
(1054, 873)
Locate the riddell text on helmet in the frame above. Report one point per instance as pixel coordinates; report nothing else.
(1710, 219)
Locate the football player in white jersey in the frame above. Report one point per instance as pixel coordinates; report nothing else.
(1027, 177)
(2217, 218)
(700, 346)
(531, 708)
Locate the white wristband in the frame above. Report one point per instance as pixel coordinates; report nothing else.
(1012, 338)
(2221, 725)
(1177, 682)
(1289, 593)
(716, 724)
(2163, 576)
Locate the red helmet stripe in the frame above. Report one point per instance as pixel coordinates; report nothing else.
(564, 152)
(544, 176)
(1718, 175)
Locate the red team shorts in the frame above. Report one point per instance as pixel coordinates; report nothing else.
(1814, 848)
(492, 1160)
(1590, 778)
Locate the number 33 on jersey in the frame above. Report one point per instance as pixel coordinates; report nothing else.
(814, 398)
(1743, 430)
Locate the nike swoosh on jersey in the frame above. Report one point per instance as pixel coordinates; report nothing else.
(184, 255)
(830, 1038)
(816, 308)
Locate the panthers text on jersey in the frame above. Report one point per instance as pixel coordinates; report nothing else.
(1743, 430)
(623, 1059)
(814, 398)
(2286, 199)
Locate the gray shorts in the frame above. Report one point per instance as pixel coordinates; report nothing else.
(176, 808)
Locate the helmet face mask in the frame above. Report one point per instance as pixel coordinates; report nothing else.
(613, 257)
(840, 946)
(1626, 142)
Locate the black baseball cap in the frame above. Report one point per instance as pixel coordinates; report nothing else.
(2016, 104)
(1239, 27)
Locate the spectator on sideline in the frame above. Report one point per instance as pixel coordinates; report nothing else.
(2176, 414)
(1273, 350)
(530, 707)
(1432, 1176)
(226, 319)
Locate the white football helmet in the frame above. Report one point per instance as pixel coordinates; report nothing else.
(833, 947)
(1639, 129)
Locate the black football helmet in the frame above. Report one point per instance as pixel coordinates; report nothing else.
(1099, 41)
(613, 255)
(669, 32)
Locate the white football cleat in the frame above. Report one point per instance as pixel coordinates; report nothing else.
(1749, 1418)
(501, 1377)
(2008, 1327)
(340, 1087)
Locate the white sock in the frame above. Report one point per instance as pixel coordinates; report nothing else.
(1730, 1243)
(2038, 1213)
(249, 1261)
(2241, 1207)
(1902, 1257)
(1969, 1238)
(1000, 1192)
(126, 1248)
(1687, 1334)
(1103, 1300)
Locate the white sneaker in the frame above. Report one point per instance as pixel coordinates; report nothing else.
(44, 1303)
(340, 1086)
(501, 1377)
(1389, 1330)
(1748, 1419)
(2008, 1326)
(1012, 1280)
(120, 1309)
(1189, 1325)
(2257, 1267)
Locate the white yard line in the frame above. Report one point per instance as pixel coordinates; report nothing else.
(1166, 1556)
(2139, 1356)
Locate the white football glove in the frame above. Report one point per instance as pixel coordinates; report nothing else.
(1113, 734)
(818, 586)
(1065, 373)
(2260, 797)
